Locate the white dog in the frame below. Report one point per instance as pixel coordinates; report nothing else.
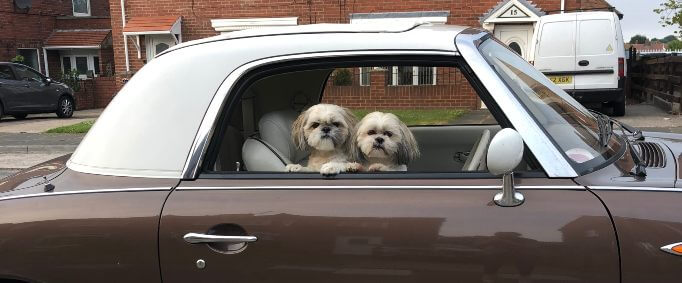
(325, 130)
(384, 143)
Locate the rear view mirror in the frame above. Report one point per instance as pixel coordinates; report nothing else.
(504, 154)
(48, 81)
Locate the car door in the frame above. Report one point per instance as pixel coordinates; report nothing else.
(379, 230)
(39, 96)
(555, 49)
(12, 90)
(596, 52)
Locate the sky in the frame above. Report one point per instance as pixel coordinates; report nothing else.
(639, 18)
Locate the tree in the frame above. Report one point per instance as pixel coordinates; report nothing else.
(638, 39)
(668, 38)
(674, 45)
(671, 13)
(655, 39)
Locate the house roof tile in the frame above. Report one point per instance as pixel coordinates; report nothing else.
(147, 24)
(76, 38)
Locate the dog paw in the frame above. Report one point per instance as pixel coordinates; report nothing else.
(377, 167)
(294, 168)
(329, 169)
(354, 167)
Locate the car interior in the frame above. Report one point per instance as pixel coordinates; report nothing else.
(255, 135)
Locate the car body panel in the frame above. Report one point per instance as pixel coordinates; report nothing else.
(88, 226)
(397, 230)
(646, 220)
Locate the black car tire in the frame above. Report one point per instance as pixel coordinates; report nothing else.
(19, 116)
(65, 107)
(619, 108)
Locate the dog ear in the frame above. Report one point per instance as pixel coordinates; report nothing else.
(351, 122)
(297, 132)
(408, 149)
(354, 150)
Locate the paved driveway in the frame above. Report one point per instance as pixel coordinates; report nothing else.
(38, 123)
(23, 143)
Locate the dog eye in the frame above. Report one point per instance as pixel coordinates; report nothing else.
(336, 124)
(388, 134)
(372, 132)
(314, 125)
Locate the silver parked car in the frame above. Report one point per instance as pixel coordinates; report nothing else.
(25, 91)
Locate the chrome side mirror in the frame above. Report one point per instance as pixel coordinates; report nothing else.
(504, 154)
(48, 81)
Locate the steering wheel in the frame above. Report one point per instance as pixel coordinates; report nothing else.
(476, 159)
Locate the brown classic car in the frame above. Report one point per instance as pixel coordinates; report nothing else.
(183, 177)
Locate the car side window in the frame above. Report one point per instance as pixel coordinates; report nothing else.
(26, 74)
(6, 73)
(366, 119)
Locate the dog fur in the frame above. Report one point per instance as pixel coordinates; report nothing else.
(325, 130)
(384, 143)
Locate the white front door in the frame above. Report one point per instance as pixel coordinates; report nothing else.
(517, 36)
(157, 43)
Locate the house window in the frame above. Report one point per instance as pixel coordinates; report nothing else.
(66, 64)
(95, 60)
(82, 65)
(81, 7)
(403, 75)
(85, 63)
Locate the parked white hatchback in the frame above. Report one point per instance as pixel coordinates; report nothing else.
(584, 54)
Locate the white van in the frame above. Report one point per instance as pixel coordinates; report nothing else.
(584, 54)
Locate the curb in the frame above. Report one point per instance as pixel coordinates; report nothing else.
(29, 149)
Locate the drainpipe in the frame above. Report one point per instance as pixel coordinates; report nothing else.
(563, 5)
(125, 38)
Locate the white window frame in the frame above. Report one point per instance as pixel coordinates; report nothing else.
(40, 67)
(72, 59)
(73, 9)
(394, 78)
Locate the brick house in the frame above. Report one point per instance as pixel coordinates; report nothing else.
(143, 28)
(55, 36)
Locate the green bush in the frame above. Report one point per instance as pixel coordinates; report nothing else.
(71, 79)
(343, 77)
(18, 59)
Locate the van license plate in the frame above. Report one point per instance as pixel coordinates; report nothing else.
(561, 80)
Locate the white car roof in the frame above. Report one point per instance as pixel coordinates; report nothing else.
(149, 127)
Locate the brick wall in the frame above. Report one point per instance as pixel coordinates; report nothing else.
(29, 29)
(95, 93)
(451, 90)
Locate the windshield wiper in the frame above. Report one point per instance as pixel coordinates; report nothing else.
(605, 121)
(605, 127)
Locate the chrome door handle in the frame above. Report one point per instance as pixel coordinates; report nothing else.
(197, 238)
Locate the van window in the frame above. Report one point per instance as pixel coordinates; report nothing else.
(596, 38)
(557, 39)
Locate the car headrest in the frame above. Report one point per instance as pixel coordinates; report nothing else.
(275, 129)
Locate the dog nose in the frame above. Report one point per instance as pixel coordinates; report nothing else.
(326, 130)
(379, 140)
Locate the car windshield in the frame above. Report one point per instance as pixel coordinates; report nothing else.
(570, 125)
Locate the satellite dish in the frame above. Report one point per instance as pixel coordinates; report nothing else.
(22, 4)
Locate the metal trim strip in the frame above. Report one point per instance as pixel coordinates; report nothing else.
(387, 187)
(579, 72)
(85, 192)
(643, 189)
